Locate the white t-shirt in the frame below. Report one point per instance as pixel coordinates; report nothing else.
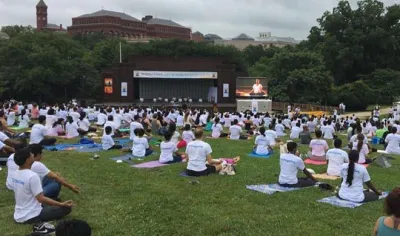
(216, 130)
(40, 169)
(50, 120)
(393, 141)
(71, 129)
(112, 125)
(188, 136)
(257, 88)
(227, 122)
(37, 134)
(135, 125)
(26, 185)
(101, 119)
(11, 167)
(271, 134)
(84, 124)
(197, 152)
(179, 121)
(337, 157)
(295, 133)
(318, 147)
(290, 164)
(167, 151)
(280, 130)
(24, 121)
(63, 115)
(139, 146)
(363, 152)
(117, 120)
(235, 131)
(11, 118)
(175, 137)
(328, 132)
(107, 142)
(262, 144)
(75, 116)
(355, 192)
(354, 139)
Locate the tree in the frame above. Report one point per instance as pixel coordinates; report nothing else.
(15, 30)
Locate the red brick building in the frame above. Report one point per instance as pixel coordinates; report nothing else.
(41, 19)
(124, 25)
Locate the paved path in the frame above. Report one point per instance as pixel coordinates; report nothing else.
(366, 114)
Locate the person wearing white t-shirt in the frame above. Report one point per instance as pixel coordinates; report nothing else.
(393, 142)
(273, 136)
(51, 181)
(280, 129)
(180, 120)
(290, 164)
(187, 134)
(169, 151)
(84, 125)
(29, 195)
(140, 146)
(135, 125)
(11, 117)
(295, 132)
(235, 131)
(75, 114)
(24, 120)
(362, 149)
(107, 142)
(117, 119)
(318, 147)
(262, 143)
(217, 129)
(51, 118)
(71, 128)
(354, 177)
(101, 118)
(329, 131)
(62, 113)
(38, 134)
(336, 158)
(198, 153)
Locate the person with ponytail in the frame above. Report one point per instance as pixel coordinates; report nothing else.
(262, 143)
(362, 148)
(71, 128)
(84, 125)
(24, 120)
(390, 225)
(217, 129)
(354, 176)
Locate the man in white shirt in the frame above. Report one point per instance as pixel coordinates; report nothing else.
(135, 125)
(29, 194)
(336, 158)
(290, 163)
(38, 134)
(235, 131)
(199, 153)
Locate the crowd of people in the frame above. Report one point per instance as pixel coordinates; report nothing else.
(37, 188)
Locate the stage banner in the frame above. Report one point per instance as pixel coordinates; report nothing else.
(124, 89)
(254, 106)
(174, 74)
(225, 89)
(213, 94)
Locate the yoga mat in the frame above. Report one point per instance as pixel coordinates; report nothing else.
(125, 130)
(66, 147)
(87, 149)
(150, 164)
(312, 162)
(122, 141)
(325, 176)
(335, 201)
(65, 137)
(259, 156)
(269, 188)
(382, 151)
(17, 128)
(122, 158)
(184, 174)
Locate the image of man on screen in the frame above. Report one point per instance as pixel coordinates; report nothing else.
(258, 89)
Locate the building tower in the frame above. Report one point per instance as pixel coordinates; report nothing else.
(41, 15)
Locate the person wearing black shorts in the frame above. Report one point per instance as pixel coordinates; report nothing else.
(198, 153)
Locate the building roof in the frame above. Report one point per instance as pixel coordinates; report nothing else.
(197, 33)
(52, 26)
(212, 36)
(243, 37)
(110, 13)
(41, 4)
(4, 35)
(158, 21)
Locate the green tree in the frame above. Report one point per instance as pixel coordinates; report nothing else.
(15, 30)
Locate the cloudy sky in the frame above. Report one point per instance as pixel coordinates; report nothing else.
(227, 18)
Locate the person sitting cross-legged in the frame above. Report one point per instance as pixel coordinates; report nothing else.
(169, 151)
(31, 206)
(336, 158)
(199, 153)
(290, 163)
(39, 134)
(107, 142)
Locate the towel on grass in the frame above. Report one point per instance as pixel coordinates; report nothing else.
(325, 176)
(149, 165)
(312, 162)
(335, 201)
(270, 188)
(252, 154)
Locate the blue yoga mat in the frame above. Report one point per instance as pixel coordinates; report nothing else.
(62, 147)
(335, 201)
(87, 149)
(259, 156)
(122, 141)
(122, 158)
(269, 188)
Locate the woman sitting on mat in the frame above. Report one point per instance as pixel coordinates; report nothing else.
(393, 142)
(217, 129)
(262, 143)
(362, 149)
(140, 146)
(235, 131)
(71, 128)
(24, 121)
(353, 177)
(84, 125)
(169, 151)
(187, 134)
(336, 158)
(390, 225)
(318, 147)
(107, 142)
(290, 164)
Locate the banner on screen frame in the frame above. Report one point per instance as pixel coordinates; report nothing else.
(225, 89)
(174, 74)
(124, 89)
(254, 106)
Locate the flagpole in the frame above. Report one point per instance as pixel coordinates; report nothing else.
(120, 52)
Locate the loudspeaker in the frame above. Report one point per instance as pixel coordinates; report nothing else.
(383, 161)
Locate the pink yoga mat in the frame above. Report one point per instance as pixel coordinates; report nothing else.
(150, 164)
(312, 162)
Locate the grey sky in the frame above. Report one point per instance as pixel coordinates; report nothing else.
(227, 18)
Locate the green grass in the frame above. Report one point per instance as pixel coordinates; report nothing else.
(119, 200)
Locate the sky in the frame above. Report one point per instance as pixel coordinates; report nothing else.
(227, 18)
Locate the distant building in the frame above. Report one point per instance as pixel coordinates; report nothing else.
(41, 19)
(4, 36)
(212, 37)
(124, 25)
(197, 37)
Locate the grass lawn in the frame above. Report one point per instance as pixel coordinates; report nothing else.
(119, 200)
